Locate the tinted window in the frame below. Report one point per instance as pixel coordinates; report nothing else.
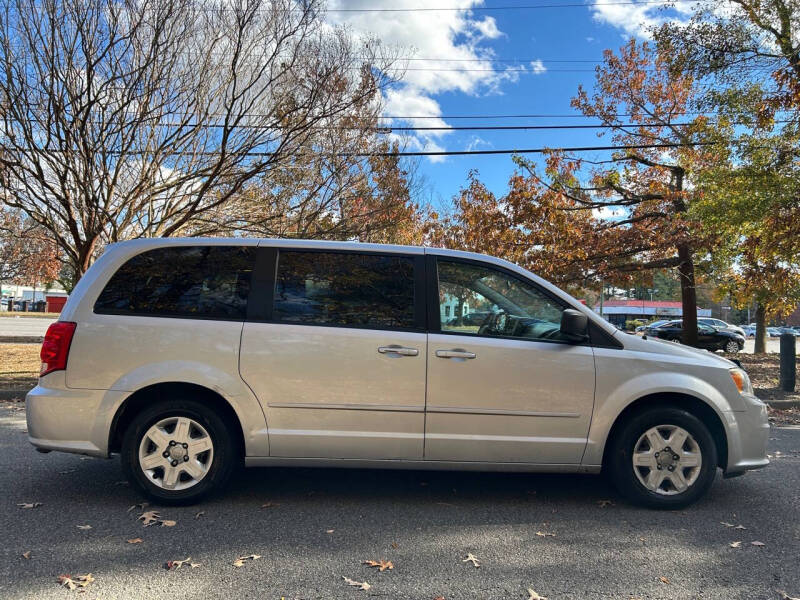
(361, 290)
(195, 281)
(485, 301)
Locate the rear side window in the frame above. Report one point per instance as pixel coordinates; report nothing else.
(193, 281)
(345, 289)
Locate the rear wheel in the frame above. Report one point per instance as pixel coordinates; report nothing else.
(663, 458)
(178, 451)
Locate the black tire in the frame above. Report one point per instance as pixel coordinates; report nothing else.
(225, 454)
(619, 460)
(729, 347)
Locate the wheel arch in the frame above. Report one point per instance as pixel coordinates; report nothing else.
(145, 396)
(691, 404)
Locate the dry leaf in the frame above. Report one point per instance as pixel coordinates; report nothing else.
(79, 581)
(26, 555)
(329, 531)
(664, 580)
(168, 523)
(269, 504)
(472, 559)
(84, 527)
(149, 518)
(757, 544)
(171, 565)
(140, 506)
(381, 564)
(735, 544)
(604, 503)
(726, 524)
(362, 585)
(439, 598)
(545, 534)
(534, 596)
(200, 514)
(239, 562)
(395, 545)
(29, 504)
(135, 541)
(67, 472)
(785, 596)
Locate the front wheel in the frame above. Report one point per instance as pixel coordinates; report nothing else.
(663, 458)
(178, 451)
(731, 347)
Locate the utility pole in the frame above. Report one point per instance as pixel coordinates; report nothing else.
(602, 293)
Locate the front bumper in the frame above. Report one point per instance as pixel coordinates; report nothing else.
(68, 420)
(748, 434)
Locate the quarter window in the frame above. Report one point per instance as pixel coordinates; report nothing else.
(489, 302)
(345, 289)
(193, 281)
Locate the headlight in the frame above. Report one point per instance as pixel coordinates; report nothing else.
(742, 381)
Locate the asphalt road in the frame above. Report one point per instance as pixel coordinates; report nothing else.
(23, 326)
(321, 525)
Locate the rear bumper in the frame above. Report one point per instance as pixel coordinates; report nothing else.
(67, 420)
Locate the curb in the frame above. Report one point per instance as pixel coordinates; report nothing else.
(13, 394)
(14, 339)
(784, 404)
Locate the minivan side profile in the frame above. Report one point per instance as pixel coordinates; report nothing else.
(191, 357)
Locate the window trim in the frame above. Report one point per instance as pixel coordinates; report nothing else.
(161, 315)
(433, 300)
(266, 274)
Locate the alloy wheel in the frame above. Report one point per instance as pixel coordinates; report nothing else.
(176, 453)
(667, 459)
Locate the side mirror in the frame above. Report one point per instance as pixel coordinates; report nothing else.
(574, 325)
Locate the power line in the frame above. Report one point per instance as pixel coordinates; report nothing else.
(527, 116)
(508, 8)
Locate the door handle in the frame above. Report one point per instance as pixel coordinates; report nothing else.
(399, 350)
(456, 353)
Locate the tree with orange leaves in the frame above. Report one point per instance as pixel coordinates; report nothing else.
(641, 195)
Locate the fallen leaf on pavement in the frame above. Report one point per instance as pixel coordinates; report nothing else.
(732, 525)
(135, 541)
(149, 518)
(269, 504)
(168, 523)
(545, 534)
(381, 564)
(140, 506)
(664, 580)
(735, 544)
(395, 545)
(26, 555)
(362, 585)
(79, 581)
(785, 596)
(29, 504)
(239, 562)
(200, 514)
(84, 527)
(757, 544)
(67, 472)
(439, 598)
(534, 596)
(172, 565)
(329, 531)
(604, 503)
(472, 559)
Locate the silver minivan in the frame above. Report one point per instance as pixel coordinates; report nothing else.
(191, 357)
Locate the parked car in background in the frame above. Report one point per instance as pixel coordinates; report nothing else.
(749, 331)
(720, 324)
(773, 332)
(789, 330)
(653, 324)
(708, 337)
(191, 357)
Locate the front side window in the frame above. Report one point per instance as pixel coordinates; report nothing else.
(345, 289)
(192, 281)
(490, 302)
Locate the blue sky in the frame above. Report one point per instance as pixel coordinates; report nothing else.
(494, 62)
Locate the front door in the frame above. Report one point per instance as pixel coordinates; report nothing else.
(339, 364)
(503, 386)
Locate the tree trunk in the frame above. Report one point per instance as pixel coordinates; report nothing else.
(688, 295)
(761, 330)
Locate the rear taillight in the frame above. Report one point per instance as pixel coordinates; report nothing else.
(55, 348)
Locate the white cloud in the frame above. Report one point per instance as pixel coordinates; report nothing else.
(476, 142)
(457, 41)
(637, 19)
(537, 66)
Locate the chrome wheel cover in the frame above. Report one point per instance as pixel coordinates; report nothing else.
(667, 460)
(176, 453)
(732, 347)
